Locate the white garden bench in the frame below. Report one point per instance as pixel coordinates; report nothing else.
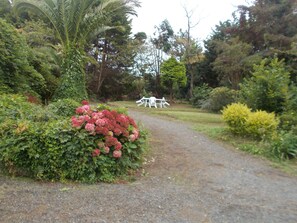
(153, 102)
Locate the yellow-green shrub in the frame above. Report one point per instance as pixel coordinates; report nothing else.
(261, 124)
(235, 115)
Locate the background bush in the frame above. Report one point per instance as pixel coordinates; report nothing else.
(63, 107)
(200, 94)
(268, 88)
(219, 98)
(284, 146)
(17, 75)
(17, 107)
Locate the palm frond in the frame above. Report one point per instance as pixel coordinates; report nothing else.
(76, 20)
(46, 8)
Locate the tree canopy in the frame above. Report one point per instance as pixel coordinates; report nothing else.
(173, 74)
(74, 23)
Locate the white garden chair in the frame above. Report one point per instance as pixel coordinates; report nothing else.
(163, 103)
(153, 102)
(142, 101)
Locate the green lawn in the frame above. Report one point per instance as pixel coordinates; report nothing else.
(183, 112)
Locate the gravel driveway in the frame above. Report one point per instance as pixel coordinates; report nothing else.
(188, 178)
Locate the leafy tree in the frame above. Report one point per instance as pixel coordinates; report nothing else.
(222, 32)
(5, 8)
(114, 53)
(232, 60)
(173, 73)
(268, 23)
(74, 23)
(189, 51)
(44, 53)
(161, 44)
(268, 88)
(16, 73)
(270, 27)
(193, 52)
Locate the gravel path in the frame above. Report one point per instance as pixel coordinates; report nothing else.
(188, 179)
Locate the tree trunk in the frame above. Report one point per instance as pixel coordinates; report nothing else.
(171, 96)
(101, 72)
(191, 83)
(73, 79)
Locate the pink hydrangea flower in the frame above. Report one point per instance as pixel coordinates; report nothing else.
(132, 137)
(76, 122)
(118, 146)
(84, 102)
(79, 110)
(117, 153)
(101, 144)
(92, 121)
(83, 109)
(117, 131)
(106, 149)
(100, 122)
(100, 114)
(87, 118)
(136, 133)
(132, 122)
(90, 127)
(102, 130)
(110, 141)
(96, 152)
(86, 108)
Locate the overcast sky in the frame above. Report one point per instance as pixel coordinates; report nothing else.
(209, 12)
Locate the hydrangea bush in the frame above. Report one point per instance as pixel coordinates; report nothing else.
(113, 130)
(92, 145)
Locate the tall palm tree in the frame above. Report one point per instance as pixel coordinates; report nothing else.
(74, 22)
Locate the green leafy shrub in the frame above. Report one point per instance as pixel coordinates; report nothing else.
(101, 107)
(91, 146)
(241, 120)
(268, 88)
(17, 75)
(14, 106)
(288, 121)
(292, 98)
(236, 115)
(63, 107)
(121, 110)
(284, 146)
(261, 124)
(19, 139)
(219, 98)
(200, 94)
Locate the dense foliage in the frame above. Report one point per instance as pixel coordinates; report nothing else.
(219, 98)
(16, 72)
(236, 115)
(173, 74)
(243, 121)
(91, 146)
(200, 95)
(263, 126)
(75, 22)
(268, 88)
